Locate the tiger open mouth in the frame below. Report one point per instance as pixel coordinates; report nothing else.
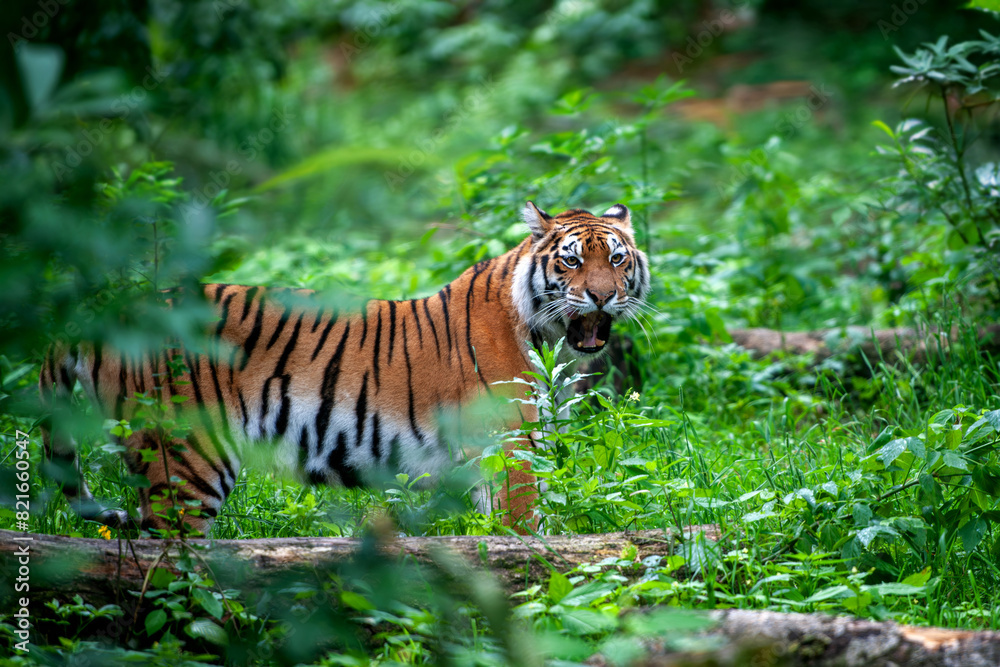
(588, 333)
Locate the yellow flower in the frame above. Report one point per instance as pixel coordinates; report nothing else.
(105, 532)
(634, 396)
(180, 512)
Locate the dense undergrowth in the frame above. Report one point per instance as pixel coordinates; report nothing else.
(860, 486)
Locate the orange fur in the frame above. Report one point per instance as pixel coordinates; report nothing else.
(349, 393)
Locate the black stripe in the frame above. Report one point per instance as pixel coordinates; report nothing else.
(433, 327)
(322, 337)
(337, 461)
(445, 295)
(378, 341)
(281, 424)
(319, 317)
(281, 326)
(95, 370)
(243, 408)
(279, 369)
(506, 265)
(364, 325)
(409, 392)
(536, 301)
(468, 332)
(361, 410)
(392, 329)
(122, 387)
(328, 390)
(170, 374)
(469, 296)
(250, 294)
(489, 280)
(193, 371)
(251, 341)
(225, 315)
(416, 318)
(376, 437)
(219, 289)
(196, 481)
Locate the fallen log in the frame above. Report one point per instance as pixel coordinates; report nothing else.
(918, 345)
(100, 570)
(768, 639)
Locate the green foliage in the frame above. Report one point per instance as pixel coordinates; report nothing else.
(377, 150)
(944, 184)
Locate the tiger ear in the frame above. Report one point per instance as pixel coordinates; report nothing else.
(621, 214)
(538, 221)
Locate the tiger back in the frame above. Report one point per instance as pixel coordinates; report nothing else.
(344, 395)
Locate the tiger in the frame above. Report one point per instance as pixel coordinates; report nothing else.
(350, 393)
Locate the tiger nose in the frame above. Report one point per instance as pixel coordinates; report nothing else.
(600, 298)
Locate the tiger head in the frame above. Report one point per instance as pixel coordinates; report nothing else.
(581, 273)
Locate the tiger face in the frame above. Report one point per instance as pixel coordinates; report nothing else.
(583, 273)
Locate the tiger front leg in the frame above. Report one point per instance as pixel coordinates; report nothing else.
(186, 488)
(518, 494)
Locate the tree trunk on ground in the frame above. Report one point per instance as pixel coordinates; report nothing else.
(100, 569)
(874, 345)
(770, 639)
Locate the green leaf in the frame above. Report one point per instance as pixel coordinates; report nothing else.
(40, 65)
(357, 601)
(208, 602)
(885, 128)
(857, 603)
(984, 5)
(137, 481)
(604, 453)
(155, 620)
(559, 586)
(900, 589)
(584, 595)
(828, 593)
(659, 622)
(161, 578)
(953, 459)
(972, 533)
(891, 451)
(203, 628)
(587, 621)
(918, 578)
(867, 535)
(862, 515)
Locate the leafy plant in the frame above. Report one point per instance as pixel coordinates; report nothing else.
(944, 182)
